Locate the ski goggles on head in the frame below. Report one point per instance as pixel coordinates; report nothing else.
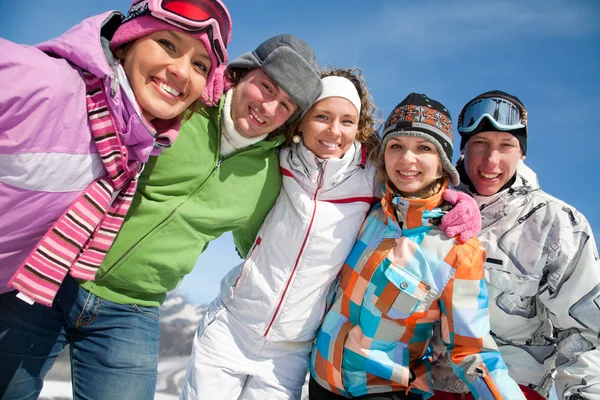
(195, 16)
(502, 112)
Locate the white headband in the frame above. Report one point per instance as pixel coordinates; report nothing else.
(336, 86)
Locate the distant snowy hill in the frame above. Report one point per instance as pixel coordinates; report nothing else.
(179, 319)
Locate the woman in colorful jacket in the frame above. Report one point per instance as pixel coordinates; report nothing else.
(79, 116)
(255, 339)
(221, 174)
(404, 274)
(542, 266)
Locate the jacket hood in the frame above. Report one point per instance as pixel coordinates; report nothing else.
(74, 45)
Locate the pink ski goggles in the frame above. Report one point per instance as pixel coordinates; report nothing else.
(192, 16)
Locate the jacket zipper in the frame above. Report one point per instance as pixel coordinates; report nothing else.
(239, 281)
(320, 181)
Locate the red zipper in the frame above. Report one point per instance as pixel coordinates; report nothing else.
(319, 186)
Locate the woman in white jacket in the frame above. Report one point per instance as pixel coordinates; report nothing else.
(254, 341)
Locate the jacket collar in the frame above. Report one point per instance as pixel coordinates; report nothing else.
(525, 182)
(306, 163)
(411, 213)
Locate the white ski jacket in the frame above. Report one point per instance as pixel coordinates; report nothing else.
(281, 291)
(543, 276)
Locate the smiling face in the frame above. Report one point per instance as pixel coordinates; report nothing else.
(259, 106)
(329, 127)
(167, 71)
(491, 160)
(411, 163)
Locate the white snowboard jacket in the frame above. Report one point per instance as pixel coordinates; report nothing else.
(543, 276)
(282, 290)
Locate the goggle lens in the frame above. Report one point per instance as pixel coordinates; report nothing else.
(502, 113)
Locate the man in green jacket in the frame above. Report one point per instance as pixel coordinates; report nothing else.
(221, 174)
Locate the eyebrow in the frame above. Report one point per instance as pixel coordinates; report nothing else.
(179, 38)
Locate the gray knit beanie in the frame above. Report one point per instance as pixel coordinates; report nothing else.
(418, 115)
(291, 63)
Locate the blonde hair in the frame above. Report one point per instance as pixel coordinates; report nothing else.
(368, 120)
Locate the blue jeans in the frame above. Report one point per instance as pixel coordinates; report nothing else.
(113, 347)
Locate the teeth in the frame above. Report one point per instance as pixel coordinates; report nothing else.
(168, 89)
(256, 117)
(489, 176)
(408, 173)
(330, 145)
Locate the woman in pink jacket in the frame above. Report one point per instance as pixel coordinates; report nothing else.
(79, 117)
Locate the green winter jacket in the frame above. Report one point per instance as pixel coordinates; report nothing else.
(186, 197)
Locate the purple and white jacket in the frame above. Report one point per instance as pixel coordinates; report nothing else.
(47, 153)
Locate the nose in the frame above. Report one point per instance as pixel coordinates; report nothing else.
(335, 128)
(408, 156)
(492, 157)
(180, 68)
(270, 107)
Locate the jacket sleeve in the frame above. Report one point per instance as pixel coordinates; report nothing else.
(243, 238)
(571, 295)
(472, 352)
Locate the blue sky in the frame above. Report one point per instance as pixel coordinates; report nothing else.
(547, 52)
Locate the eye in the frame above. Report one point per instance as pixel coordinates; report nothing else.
(166, 44)
(348, 122)
(395, 146)
(285, 105)
(424, 147)
(267, 88)
(200, 66)
(321, 116)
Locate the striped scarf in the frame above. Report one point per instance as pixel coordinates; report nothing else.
(79, 240)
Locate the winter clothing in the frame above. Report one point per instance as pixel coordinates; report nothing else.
(78, 241)
(486, 124)
(283, 56)
(543, 277)
(402, 275)
(337, 86)
(187, 197)
(47, 153)
(255, 367)
(280, 293)
(417, 115)
(463, 220)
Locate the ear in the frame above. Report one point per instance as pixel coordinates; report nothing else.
(522, 156)
(462, 152)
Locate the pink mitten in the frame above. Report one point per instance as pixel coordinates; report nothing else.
(464, 219)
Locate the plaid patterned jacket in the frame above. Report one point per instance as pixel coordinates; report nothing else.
(394, 285)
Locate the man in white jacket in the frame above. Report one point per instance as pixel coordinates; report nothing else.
(542, 267)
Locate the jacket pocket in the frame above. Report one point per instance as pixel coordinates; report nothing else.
(234, 280)
(158, 262)
(408, 294)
